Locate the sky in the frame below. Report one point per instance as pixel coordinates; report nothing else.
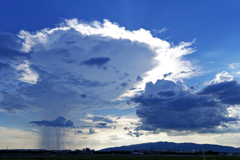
(109, 73)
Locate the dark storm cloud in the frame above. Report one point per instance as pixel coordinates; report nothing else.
(180, 110)
(102, 125)
(58, 122)
(99, 62)
(103, 119)
(226, 92)
(166, 93)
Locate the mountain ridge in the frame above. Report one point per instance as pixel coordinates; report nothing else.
(171, 145)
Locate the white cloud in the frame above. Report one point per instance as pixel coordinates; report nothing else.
(60, 52)
(234, 65)
(26, 74)
(221, 77)
(158, 31)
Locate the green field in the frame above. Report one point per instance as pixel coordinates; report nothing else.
(125, 158)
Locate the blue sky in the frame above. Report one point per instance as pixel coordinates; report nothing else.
(126, 71)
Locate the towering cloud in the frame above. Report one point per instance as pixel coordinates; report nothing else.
(78, 66)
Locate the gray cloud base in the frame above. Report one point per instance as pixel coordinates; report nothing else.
(166, 106)
(58, 122)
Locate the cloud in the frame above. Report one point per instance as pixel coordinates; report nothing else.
(54, 68)
(78, 132)
(124, 84)
(48, 61)
(167, 106)
(91, 131)
(135, 133)
(227, 92)
(26, 74)
(221, 77)
(234, 65)
(158, 31)
(58, 122)
(99, 61)
(124, 76)
(83, 95)
(10, 46)
(115, 137)
(139, 79)
(13, 102)
(96, 44)
(102, 119)
(102, 125)
(167, 74)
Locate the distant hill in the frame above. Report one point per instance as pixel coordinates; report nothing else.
(171, 145)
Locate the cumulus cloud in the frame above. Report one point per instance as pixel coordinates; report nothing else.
(226, 92)
(98, 44)
(78, 66)
(169, 107)
(221, 77)
(47, 63)
(58, 122)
